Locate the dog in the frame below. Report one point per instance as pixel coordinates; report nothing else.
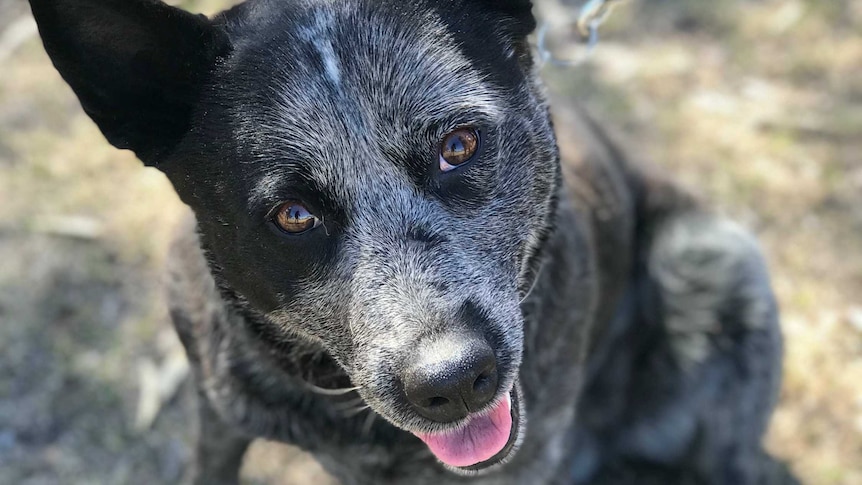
(391, 266)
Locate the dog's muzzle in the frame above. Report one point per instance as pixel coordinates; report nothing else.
(453, 379)
(483, 440)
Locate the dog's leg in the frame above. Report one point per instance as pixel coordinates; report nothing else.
(701, 376)
(220, 449)
(714, 371)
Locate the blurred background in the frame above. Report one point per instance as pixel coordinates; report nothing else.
(756, 105)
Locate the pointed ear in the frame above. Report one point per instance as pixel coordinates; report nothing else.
(137, 66)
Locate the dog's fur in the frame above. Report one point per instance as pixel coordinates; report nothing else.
(638, 331)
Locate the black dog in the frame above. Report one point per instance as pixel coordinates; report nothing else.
(389, 268)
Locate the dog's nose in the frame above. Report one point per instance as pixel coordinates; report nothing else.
(450, 377)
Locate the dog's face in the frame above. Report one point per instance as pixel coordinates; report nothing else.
(372, 176)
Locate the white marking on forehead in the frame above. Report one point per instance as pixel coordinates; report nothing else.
(391, 82)
(330, 60)
(319, 35)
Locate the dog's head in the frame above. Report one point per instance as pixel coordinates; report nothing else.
(377, 177)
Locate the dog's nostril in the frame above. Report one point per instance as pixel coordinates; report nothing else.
(484, 387)
(481, 382)
(436, 402)
(451, 377)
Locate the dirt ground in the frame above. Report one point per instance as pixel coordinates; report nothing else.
(756, 105)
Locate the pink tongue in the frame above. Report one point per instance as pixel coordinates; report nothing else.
(482, 438)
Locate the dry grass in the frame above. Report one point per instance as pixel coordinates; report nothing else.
(756, 105)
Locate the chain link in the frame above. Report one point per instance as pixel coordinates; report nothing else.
(591, 16)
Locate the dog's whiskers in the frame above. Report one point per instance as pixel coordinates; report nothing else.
(350, 412)
(533, 286)
(348, 405)
(369, 421)
(331, 392)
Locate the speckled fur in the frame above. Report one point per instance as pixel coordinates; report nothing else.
(638, 330)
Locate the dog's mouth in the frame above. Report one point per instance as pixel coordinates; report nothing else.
(484, 440)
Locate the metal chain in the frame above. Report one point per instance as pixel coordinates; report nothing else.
(591, 16)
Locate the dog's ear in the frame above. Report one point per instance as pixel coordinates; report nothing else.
(136, 65)
(520, 11)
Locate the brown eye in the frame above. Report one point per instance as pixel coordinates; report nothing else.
(294, 218)
(458, 148)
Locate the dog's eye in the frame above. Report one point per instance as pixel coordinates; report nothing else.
(293, 218)
(458, 148)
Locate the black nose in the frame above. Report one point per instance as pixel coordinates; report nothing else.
(450, 377)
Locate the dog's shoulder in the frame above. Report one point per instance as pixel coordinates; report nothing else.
(694, 257)
(622, 200)
(709, 354)
(710, 288)
(693, 320)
